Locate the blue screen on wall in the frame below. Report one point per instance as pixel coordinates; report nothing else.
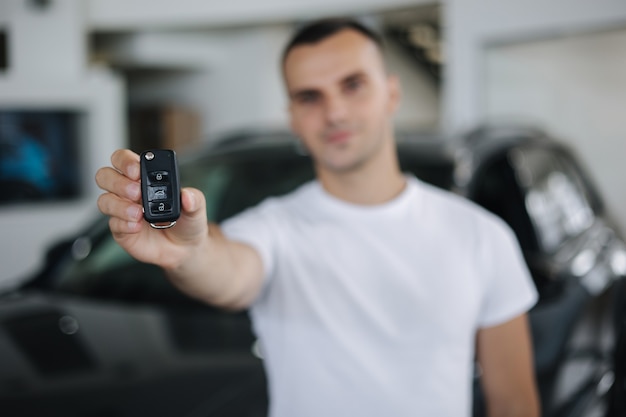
(38, 155)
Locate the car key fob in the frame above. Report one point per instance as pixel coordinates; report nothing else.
(160, 188)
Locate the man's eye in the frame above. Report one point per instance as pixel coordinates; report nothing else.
(353, 85)
(307, 98)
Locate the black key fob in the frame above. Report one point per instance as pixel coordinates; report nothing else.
(160, 188)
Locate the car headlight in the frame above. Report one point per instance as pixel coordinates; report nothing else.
(584, 262)
(618, 260)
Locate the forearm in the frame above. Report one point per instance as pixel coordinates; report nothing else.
(218, 271)
(516, 408)
(504, 352)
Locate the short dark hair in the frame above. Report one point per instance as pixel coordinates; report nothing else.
(319, 30)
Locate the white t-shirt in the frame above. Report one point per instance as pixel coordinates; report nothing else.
(373, 310)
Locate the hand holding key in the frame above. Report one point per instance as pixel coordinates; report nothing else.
(123, 202)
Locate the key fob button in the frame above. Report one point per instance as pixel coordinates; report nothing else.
(160, 208)
(159, 176)
(158, 193)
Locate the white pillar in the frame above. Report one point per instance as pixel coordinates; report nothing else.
(46, 39)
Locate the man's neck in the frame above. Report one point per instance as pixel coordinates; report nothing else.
(376, 182)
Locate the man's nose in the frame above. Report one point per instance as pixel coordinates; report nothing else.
(336, 109)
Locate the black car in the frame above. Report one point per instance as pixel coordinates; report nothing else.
(96, 333)
(575, 254)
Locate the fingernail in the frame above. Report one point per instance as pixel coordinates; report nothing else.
(134, 191)
(133, 213)
(133, 171)
(192, 200)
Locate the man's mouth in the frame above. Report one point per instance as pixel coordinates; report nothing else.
(338, 136)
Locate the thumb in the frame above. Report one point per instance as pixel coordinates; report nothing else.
(193, 203)
(193, 220)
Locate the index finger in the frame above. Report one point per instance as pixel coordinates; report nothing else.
(127, 162)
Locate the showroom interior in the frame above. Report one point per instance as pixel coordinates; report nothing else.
(553, 64)
(106, 72)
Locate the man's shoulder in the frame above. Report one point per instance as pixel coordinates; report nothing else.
(458, 209)
(442, 199)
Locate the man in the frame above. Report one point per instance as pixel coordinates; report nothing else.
(371, 292)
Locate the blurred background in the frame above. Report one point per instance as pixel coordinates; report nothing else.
(79, 79)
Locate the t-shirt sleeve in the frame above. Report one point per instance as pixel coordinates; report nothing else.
(254, 228)
(509, 289)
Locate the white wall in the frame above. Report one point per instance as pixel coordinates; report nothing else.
(48, 70)
(234, 83)
(472, 24)
(247, 91)
(575, 86)
(36, 32)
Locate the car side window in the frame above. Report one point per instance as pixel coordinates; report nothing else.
(213, 179)
(555, 195)
(496, 188)
(255, 179)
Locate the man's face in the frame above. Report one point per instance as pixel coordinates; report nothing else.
(341, 100)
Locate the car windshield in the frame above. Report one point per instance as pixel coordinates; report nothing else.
(231, 181)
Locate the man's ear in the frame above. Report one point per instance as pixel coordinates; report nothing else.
(393, 86)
